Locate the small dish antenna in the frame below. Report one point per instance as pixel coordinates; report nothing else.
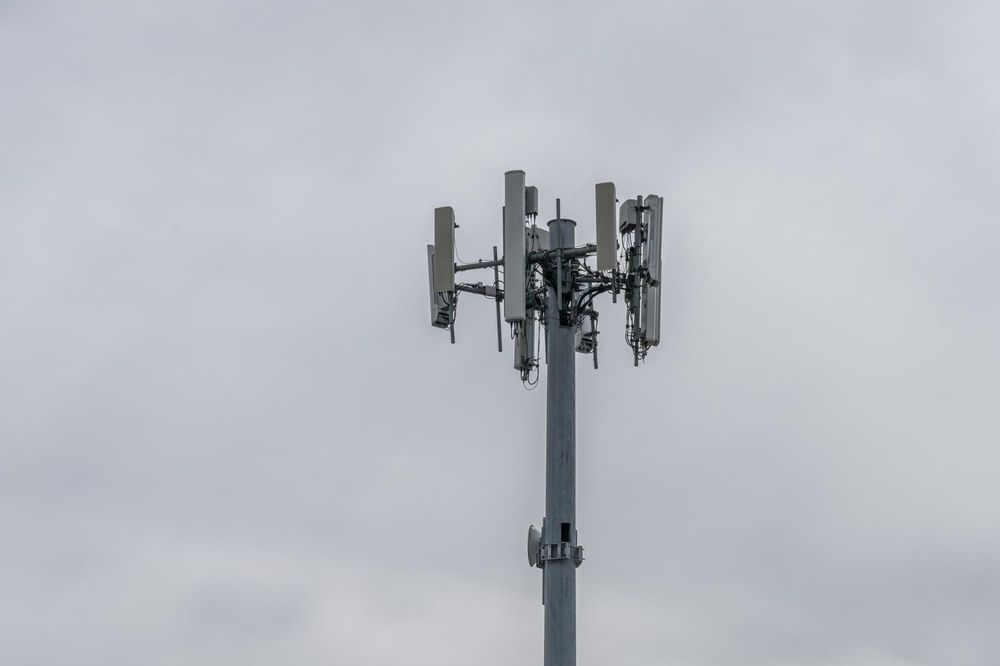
(534, 545)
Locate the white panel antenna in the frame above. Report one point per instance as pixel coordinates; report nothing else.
(513, 247)
(652, 250)
(607, 227)
(654, 237)
(440, 311)
(627, 216)
(444, 249)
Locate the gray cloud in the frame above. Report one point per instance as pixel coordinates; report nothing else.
(228, 434)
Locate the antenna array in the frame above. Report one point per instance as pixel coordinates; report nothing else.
(627, 262)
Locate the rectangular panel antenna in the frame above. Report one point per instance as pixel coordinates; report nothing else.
(627, 216)
(652, 250)
(444, 249)
(513, 247)
(607, 227)
(440, 312)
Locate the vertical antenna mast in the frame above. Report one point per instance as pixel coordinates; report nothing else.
(547, 282)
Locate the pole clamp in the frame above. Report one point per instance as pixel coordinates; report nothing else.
(559, 551)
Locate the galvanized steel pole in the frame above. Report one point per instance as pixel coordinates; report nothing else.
(559, 575)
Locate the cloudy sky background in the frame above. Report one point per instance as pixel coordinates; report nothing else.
(229, 435)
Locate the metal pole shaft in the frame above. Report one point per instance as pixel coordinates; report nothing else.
(560, 468)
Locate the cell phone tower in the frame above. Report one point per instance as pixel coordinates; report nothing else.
(548, 284)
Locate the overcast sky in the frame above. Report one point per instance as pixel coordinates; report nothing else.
(228, 434)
